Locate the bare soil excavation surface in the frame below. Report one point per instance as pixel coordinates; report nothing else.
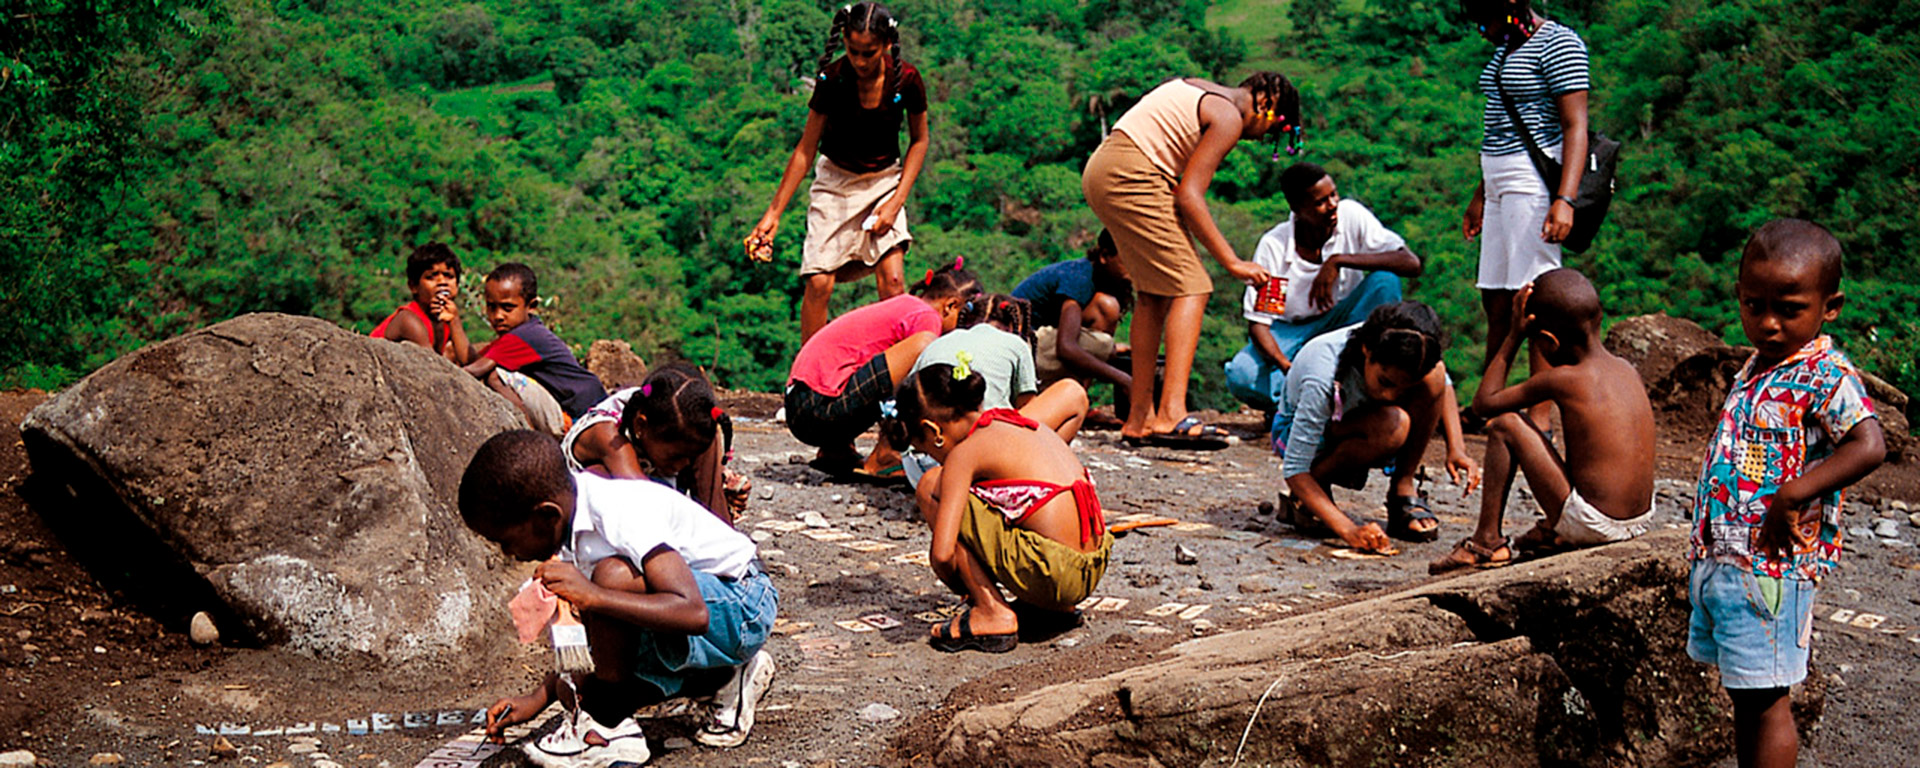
(82, 672)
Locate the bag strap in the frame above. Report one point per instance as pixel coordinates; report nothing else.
(1541, 163)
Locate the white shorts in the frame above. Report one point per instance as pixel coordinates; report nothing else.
(1582, 525)
(543, 411)
(1511, 251)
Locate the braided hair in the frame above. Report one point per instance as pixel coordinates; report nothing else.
(944, 282)
(1405, 336)
(1012, 314)
(931, 392)
(1272, 90)
(868, 17)
(679, 405)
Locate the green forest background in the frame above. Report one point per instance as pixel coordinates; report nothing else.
(171, 163)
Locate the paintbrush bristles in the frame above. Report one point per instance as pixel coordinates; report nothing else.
(571, 655)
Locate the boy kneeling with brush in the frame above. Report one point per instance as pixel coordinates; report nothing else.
(673, 600)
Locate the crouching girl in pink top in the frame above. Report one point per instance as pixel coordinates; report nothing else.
(1009, 505)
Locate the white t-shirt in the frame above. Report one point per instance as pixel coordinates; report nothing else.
(631, 518)
(1357, 232)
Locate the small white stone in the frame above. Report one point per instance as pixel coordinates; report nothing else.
(1886, 529)
(326, 764)
(815, 520)
(303, 747)
(16, 758)
(878, 713)
(675, 744)
(761, 534)
(202, 631)
(836, 498)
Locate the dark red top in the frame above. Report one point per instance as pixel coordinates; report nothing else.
(865, 140)
(440, 332)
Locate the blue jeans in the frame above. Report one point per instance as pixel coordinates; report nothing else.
(1735, 629)
(1259, 382)
(739, 617)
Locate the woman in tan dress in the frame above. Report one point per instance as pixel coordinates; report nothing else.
(1147, 182)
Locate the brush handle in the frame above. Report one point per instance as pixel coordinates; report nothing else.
(565, 613)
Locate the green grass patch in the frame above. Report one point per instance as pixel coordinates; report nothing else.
(492, 108)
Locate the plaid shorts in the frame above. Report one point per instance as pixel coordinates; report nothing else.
(830, 422)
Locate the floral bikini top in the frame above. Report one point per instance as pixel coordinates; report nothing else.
(1017, 499)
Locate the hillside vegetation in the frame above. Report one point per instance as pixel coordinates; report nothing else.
(184, 161)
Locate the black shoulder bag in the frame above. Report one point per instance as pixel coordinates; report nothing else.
(1596, 184)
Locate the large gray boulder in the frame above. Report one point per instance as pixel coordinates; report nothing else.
(1573, 660)
(295, 480)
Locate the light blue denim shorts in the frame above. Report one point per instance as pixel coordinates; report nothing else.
(1733, 627)
(740, 615)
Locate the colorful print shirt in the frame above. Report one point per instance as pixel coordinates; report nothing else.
(1775, 425)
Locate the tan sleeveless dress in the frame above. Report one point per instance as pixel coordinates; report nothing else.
(1129, 183)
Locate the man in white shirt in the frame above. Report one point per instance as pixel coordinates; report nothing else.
(1337, 262)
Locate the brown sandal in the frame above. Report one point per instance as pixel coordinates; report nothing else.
(1468, 554)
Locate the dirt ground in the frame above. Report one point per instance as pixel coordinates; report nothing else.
(83, 673)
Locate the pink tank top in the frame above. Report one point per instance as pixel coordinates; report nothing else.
(1165, 125)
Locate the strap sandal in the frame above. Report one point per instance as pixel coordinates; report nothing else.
(1469, 554)
(1402, 511)
(1190, 434)
(965, 640)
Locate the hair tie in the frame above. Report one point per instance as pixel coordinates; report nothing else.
(846, 8)
(889, 409)
(719, 413)
(959, 262)
(646, 390)
(963, 368)
(929, 281)
(893, 23)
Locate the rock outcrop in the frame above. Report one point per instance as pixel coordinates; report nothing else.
(616, 364)
(1688, 372)
(294, 480)
(1572, 660)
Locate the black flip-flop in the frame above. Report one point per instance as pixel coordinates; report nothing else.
(832, 468)
(1182, 436)
(1402, 511)
(966, 640)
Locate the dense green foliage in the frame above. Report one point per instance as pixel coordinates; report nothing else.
(196, 159)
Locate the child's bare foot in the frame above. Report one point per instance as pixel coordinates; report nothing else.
(883, 459)
(1538, 537)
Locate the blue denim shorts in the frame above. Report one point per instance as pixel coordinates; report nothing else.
(739, 616)
(1732, 626)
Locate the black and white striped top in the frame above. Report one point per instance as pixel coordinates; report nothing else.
(1551, 63)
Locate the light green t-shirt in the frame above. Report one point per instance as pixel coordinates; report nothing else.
(1003, 359)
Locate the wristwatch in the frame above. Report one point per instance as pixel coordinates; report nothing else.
(1564, 199)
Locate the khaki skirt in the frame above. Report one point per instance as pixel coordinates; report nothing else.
(1135, 202)
(837, 204)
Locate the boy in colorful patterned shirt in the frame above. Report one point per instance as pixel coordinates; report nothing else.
(1796, 429)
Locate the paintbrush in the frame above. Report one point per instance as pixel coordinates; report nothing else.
(571, 656)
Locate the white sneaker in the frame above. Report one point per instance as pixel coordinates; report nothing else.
(570, 745)
(734, 720)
